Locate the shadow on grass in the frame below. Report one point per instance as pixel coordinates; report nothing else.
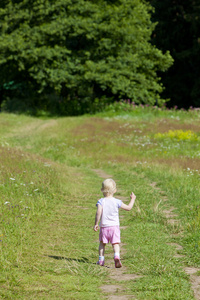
(83, 259)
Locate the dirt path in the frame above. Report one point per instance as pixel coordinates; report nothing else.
(118, 290)
(172, 218)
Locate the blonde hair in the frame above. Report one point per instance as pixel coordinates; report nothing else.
(108, 187)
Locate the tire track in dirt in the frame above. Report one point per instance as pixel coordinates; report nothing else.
(116, 291)
(191, 271)
(33, 127)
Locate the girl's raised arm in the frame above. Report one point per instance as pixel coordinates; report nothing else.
(130, 205)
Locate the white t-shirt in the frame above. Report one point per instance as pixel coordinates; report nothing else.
(110, 213)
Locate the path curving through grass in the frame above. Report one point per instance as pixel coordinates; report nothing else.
(49, 190)
(115, 285)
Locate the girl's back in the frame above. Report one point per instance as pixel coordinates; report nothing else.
(110, 213)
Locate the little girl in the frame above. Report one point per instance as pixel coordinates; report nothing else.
(108, 212)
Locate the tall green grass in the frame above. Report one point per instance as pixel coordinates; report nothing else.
(44, 225)
(49, 192)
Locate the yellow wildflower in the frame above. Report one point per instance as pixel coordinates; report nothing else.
(179, 135)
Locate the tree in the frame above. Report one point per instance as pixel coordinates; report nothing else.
(81, 49)
(178, 31)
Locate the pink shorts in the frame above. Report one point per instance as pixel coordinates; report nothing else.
(110, 234)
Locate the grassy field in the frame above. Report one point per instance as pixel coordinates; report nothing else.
(49, 191)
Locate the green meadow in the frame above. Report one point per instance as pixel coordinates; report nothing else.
(49, 191)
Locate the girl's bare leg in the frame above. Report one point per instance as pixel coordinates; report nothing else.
(116, 248)
(101, 249)
(101, 254)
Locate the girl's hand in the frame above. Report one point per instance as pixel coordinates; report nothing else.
(96, 227)
(132, 196)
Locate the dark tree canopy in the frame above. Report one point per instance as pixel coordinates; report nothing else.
(80, 49)
(178, 30)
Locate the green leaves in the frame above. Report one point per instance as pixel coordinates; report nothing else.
(178, 30)
(82, 49)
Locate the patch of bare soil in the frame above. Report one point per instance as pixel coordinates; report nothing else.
(102, 127)
(94, 126)
(13, 159)
(81, 207)
(164, 125)
(49, 124)
(123, 277)
(29, 127)
(153, 184)
(167, 212)
(176, 163)
(121, 297)
(179, 162)
(177, 246)
(102, 174)
(111, 288)
(170, 216)
(195, 280)
(35, 126)
(118, 291)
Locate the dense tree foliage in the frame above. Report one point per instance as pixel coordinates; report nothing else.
(79, 50)
(178, 30)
